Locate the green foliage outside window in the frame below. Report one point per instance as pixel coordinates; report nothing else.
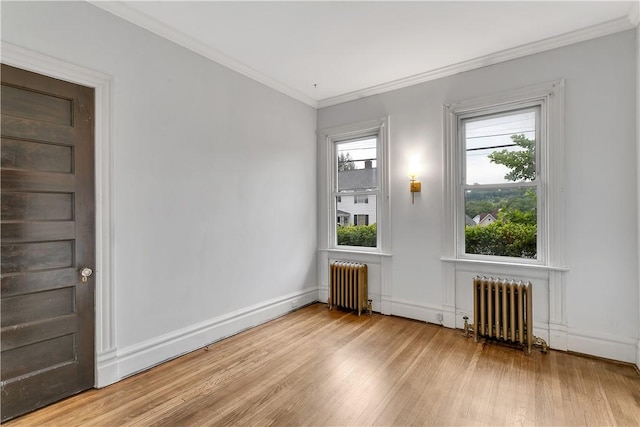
(345, 163)
(514, 233)
(358, 235)
(503, 238)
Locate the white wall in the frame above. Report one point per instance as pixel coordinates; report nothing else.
(598, 297)
(201, 247)
(638, 169)
(211, 233)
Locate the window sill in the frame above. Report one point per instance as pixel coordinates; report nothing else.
(354, 252)
(504, 264)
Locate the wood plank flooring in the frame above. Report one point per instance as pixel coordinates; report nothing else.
(331, 368)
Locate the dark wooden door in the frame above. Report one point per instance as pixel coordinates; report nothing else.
(48, 236)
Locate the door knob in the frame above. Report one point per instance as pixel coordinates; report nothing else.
(85, 273)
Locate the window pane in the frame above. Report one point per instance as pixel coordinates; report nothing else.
(501, 148)
(501, 222)
(357, 165)
(356, 222)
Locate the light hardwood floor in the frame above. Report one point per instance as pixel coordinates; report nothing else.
(316, 367)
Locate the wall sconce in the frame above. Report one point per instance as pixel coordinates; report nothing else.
(414, 187)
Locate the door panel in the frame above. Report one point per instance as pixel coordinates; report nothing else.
(37, 206)
(38, 356)
(36, 156)
(37, 106)
(48, 235)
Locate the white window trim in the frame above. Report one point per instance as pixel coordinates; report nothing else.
(330, 137)
(552, 206)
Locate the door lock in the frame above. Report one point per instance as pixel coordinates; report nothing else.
(85, 273)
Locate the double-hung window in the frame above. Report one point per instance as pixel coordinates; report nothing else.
(357, 185)
(500, 183)
(504, 180)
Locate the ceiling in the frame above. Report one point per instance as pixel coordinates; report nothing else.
(326, 52)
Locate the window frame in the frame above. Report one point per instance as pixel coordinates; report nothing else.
(549, 181)
(341, 134)
(537, 183)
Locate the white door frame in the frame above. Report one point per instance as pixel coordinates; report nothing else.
(105, 366)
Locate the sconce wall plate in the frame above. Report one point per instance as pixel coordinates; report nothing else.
(414, 187)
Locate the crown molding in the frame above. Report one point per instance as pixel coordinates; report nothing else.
(122, 10)
(600, 30)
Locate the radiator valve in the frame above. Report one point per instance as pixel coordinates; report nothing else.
(539, 342)
(467, 328)
(369, 307)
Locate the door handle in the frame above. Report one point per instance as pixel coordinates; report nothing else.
(85, 273)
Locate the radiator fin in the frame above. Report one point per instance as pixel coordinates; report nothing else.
(503, 310)
(348, 286)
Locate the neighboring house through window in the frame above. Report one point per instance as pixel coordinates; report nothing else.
(357, 183)
(342, 217)
(361, 219)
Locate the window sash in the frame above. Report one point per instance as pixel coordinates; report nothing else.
(471, 118)
(551, 233)
(334, 160)
(329, 136)
(336, 141)
(538, 183)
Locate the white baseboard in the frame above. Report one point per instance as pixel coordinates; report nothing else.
(116, 364)
(385, 305)
(106, 368)
(139, 357)
(595, 344)
(558, 337)
(323, 295)
(415, 311)
(449, 317)
(603, 345)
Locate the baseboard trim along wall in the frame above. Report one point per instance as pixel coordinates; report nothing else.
(116, 365)
(415, 311)
(106, 368)
(595, 344)
(602, 345)
(127, 361)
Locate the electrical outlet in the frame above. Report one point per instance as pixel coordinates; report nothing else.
(439, 317)
(294, 303)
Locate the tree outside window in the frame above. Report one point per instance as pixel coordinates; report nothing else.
(501, 186)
